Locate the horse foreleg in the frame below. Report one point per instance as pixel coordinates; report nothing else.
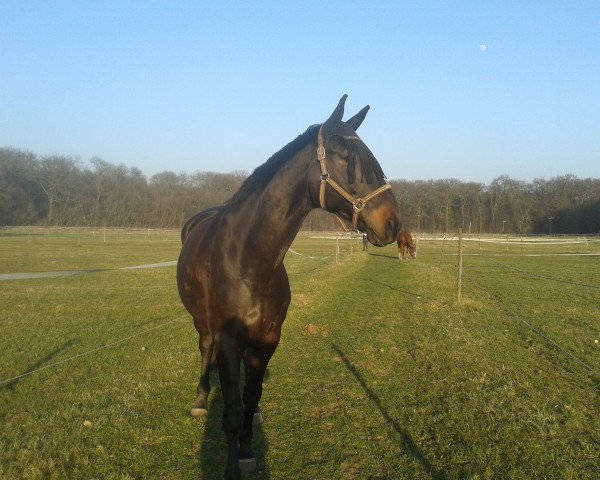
(256, 366)
(206, 353)
(257, 420)
(228, 360)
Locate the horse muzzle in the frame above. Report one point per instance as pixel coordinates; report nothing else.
(382, 224)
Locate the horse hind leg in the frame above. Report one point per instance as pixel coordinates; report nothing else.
(207, 357)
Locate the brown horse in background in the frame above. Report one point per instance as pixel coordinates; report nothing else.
(231, 276)
(406, 244)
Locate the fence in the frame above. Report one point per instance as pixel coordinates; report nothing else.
(522, 247)
(93, 234)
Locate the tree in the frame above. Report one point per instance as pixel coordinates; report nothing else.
(59, 190)
(57, 178)
(20, 193)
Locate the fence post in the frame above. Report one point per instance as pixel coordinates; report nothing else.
(443, 245)
(337, 247)
(459, 283)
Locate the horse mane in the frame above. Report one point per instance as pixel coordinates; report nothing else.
(263, 174)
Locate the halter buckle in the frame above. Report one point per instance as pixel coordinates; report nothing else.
(359, 204)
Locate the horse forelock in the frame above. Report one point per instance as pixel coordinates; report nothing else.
(359, 154)
(371, 171)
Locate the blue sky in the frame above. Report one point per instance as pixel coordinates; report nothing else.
(467, 90)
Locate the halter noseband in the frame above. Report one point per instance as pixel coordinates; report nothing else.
(357, 203)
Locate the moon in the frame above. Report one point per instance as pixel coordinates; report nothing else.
(483, 47)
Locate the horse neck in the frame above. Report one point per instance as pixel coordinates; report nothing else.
(275, 214)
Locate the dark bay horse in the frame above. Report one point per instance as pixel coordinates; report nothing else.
(405, 244)
(230, 272)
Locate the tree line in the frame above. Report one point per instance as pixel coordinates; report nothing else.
(62, 191)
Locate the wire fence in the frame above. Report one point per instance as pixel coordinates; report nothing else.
(502, 306)
(105, 346)
(309, 257)
(491, 245)
(490, 249)
(315, 249)
(89, 234)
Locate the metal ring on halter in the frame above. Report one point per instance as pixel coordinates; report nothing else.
(359, 204)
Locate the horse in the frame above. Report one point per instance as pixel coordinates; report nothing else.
(405, 244)
(230, 272)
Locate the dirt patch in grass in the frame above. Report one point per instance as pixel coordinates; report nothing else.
(316, 329)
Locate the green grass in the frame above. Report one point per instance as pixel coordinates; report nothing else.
(379, 374)
(42, 250)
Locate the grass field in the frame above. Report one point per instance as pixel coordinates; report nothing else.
(379, 374)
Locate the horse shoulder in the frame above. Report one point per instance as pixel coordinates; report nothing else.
(275, 300)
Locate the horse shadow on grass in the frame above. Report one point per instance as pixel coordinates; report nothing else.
(406, 442)
(396, 289)
(381, 255)
(213, 446)
(40, 364)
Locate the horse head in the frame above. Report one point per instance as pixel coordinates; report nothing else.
(353, 185)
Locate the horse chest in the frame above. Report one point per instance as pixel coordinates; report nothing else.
(253, 302)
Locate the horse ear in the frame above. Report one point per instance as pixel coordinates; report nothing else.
(338, 113)
(357, 119)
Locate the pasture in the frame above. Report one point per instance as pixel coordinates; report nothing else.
(380, 374)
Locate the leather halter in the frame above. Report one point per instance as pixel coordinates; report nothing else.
(357, 203)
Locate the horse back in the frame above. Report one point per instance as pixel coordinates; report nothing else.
(404, 238)
(194, 221)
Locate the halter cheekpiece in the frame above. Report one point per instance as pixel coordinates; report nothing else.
(357, 203)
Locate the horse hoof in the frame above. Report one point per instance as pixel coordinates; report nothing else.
(257, 419)
(198, 412)
(247, 465)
